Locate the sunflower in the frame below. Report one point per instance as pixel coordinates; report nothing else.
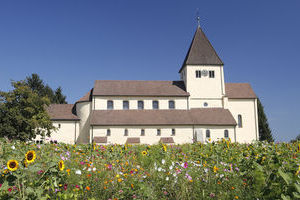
(12, 165)
(30, 156)
(61, 165)
(144, 153)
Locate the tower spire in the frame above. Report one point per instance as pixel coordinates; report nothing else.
(198, 18)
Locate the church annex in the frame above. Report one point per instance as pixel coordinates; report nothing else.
(200, 107)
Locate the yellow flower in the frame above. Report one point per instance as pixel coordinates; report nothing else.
(165, 147)
(61, 165)
(144, 153)
(119, 180)
(30, 156)
(12, 165)
(215, 169)
(236, 197)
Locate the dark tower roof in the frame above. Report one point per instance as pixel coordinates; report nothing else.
(201, 52)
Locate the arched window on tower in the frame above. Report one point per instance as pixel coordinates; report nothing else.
(240, 121)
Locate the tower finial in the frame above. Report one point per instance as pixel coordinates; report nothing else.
(198, 18)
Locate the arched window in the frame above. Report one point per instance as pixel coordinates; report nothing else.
(110, 105)
(158, 132)
(240, 121)
(143, 132)
(140, 105)
(173, 132)
(126, 132)
(226, 134)
(155, 105)
(207, 133)
(125, 105)
(108, 132)
(171, 104)
(59, 125)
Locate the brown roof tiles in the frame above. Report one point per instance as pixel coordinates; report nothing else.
(61, 112)
(100, 139)
(133, 140)
(139, 88)
(204, 116)
(239, 91)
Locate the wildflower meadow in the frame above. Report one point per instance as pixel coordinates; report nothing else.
(221, 170)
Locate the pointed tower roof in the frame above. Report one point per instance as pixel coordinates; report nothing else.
(201, 52)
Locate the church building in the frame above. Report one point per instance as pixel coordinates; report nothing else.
(200, 107)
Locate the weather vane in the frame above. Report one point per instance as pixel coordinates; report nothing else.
(198, 17)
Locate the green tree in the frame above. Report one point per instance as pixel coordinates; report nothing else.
(296, 139)
(263, 125)
(38, 86)
(23, 113)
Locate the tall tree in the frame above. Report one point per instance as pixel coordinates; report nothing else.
(38, 86)
(23, 113)
(265, 132)
(296, 139)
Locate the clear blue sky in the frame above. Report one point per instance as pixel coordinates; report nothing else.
(71, 43)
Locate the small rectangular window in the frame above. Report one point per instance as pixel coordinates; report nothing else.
(155, 105)
(226, 134)
(240, 121)
(143, 132)
(198, 73)
(211, 74)
(207, 133)
(158, 132)
(110, 105)
(125, 105)
(140, 105)
(171, 104)
(173, 132)
(108, 132)
(126, 132)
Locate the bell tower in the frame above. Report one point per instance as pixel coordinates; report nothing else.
(202, 73)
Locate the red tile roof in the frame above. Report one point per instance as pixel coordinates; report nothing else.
(202, 116)
(61, 112)
(239, 91)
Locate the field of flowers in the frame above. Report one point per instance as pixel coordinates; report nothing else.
(222, 170)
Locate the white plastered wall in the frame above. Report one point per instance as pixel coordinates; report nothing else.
(183, 134)
(67, 133)
(83, 110)
(216, 132)
(248, 109)
(100, 102)
(205, 87)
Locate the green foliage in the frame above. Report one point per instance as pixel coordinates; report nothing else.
(23, 114)
(296, 139)
(263, 125)
(38, 86)
(221, 170)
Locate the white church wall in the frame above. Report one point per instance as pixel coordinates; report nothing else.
(83, 110)
(247, 108)
(216, 132)
(67, 133)
(200, 103)
(205, 87)
(100, 102)
(183, 134)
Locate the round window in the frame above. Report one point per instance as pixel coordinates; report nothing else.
(205, 104)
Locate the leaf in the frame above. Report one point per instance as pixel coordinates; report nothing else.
(296, 195)
(285, 176)
(285, 197)
(297, 186)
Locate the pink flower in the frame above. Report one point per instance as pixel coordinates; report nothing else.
(65, 187)
(77, 186)
(212, 195)
(186, 165)
(82, 163)
(9, 189)
(120, 191)
(0, 185)
(134, 196)
(39, 172)
(165, 192)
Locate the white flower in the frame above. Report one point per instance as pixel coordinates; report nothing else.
(89, 169)
(94, 169)
(163, 161)
(167, 178)
(78, 172)
(13, 147)
(205, 170)
(138, 166)
(171, 167)
(159, 169)
(221, 175)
